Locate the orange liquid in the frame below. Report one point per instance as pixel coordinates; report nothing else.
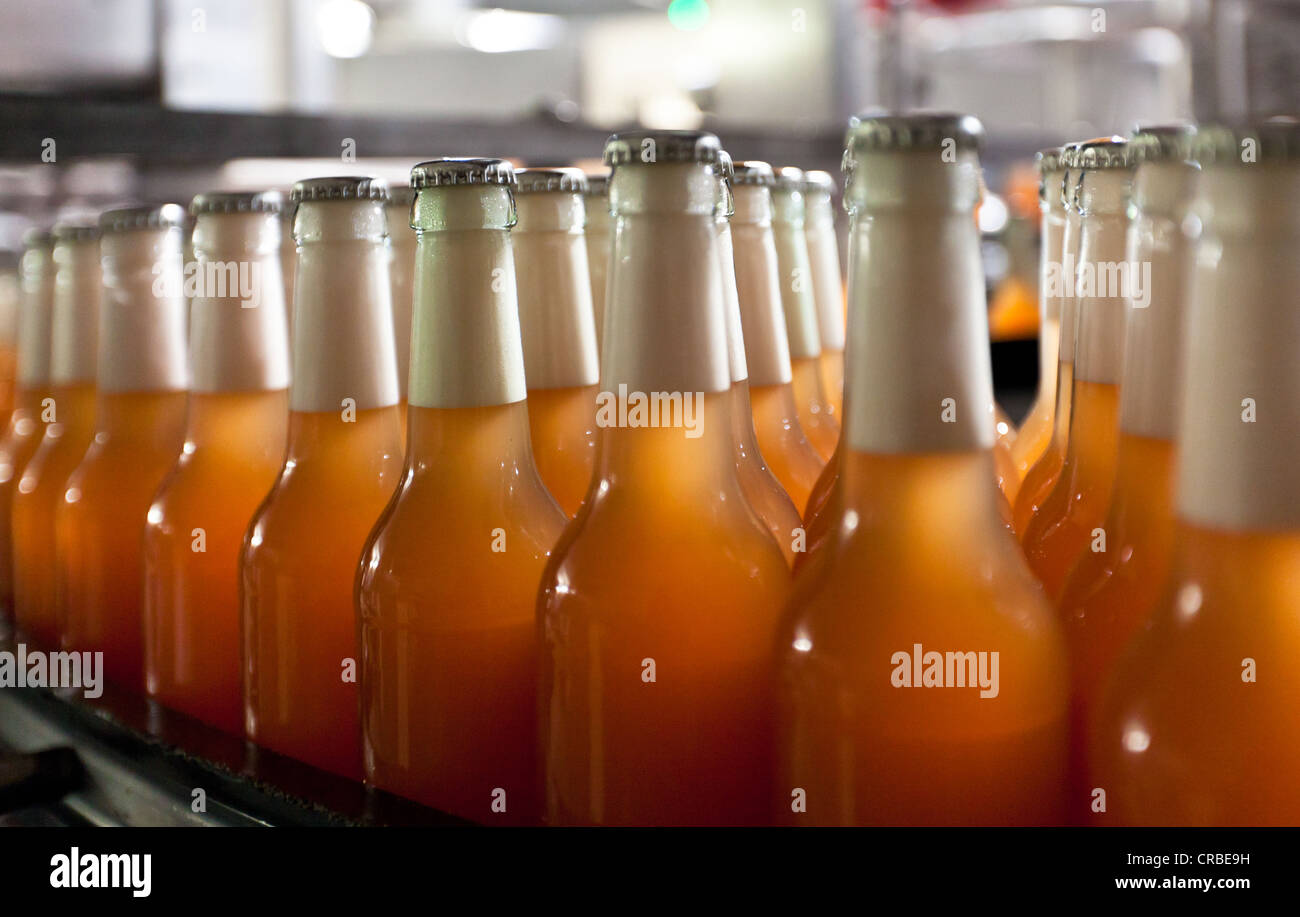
(562, 422)
(822, 511)
(39, 492)
(447, 597)
(1062, 529)
(1035, 433)
(781, 440)
(1109, 595)
(820, 424)
(1181, 738)
(658, 610)
(297, 568)
(16, 449)
(832, 370)
(1041, 478)
(761, 488)
(8, 380)
(100, 525)
(233, 449)
(919, 557)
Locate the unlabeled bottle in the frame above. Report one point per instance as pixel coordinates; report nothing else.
(781, 438)
(798, 301)
(555, 318)
(1115, 583)
(1064, 523)
(32, 389)
(1060, 279)
(1198, 725)
(892, 705)
(1035, 433)
(341, 464)
(828, 289)
(596, 234)
(446, 590)
(401, 273)
(236, 420)
(763, 491)
(142, 377)
(71, 416)
(658, 607)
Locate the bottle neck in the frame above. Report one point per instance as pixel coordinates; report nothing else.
(343, 313)
(75, 333)
(597, 235)
(239, 337)
(361, 444)
(904, 495)
(795, 270)
(1064, 281)
(1052, 240)
(555, 313)
(488, 442)
(758, 287)
(665, 322)
(1239, 427)
(824, 261)
(465, 342)
(731, 299)
(694, 456)
(251, 423)
(1105, 277)
(142, 321)
(921, 381)
(1162, 259)
(35, 318)
(401, 276)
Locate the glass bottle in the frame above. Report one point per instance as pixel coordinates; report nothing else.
(235, 426)
(447, 586)
(342, 463)
(920, 566)
(828, 289)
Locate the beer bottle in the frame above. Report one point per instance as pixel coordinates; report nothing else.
(893, 708)
(1115, 583)
(1062, 528)
(781, 438)
(71, 416)
(342, 462)
(447, 586)
(828, 289)
(1198, 725)
(32, 388)
(555, 319)
(142, 376)
(235, 425)
(798, 302)
(658, 606)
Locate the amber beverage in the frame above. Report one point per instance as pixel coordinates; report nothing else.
(1197, 723)
(799, 303)
(234, 444)
(71, 416)
(1065, 523)
(892, 705)
(31, 391)
(446, 591)
(142, 377)
(781, 439)
(341, 465)
(658, 607)
(555, 310)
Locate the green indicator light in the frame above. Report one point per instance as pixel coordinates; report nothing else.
(688, 15)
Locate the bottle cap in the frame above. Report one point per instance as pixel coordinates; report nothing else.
(1162, 143)
(462, 171)
(925, 131)
(75, 231)
(753, 172)
(648, 147)
(818, 180)
(158, 216)
(567, 180)
(340, 188)
(597, 183)
(237, 202)
(1273, 140)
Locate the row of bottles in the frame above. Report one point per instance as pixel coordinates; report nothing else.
(550, 579)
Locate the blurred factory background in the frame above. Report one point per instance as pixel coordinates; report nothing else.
(104, 100)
